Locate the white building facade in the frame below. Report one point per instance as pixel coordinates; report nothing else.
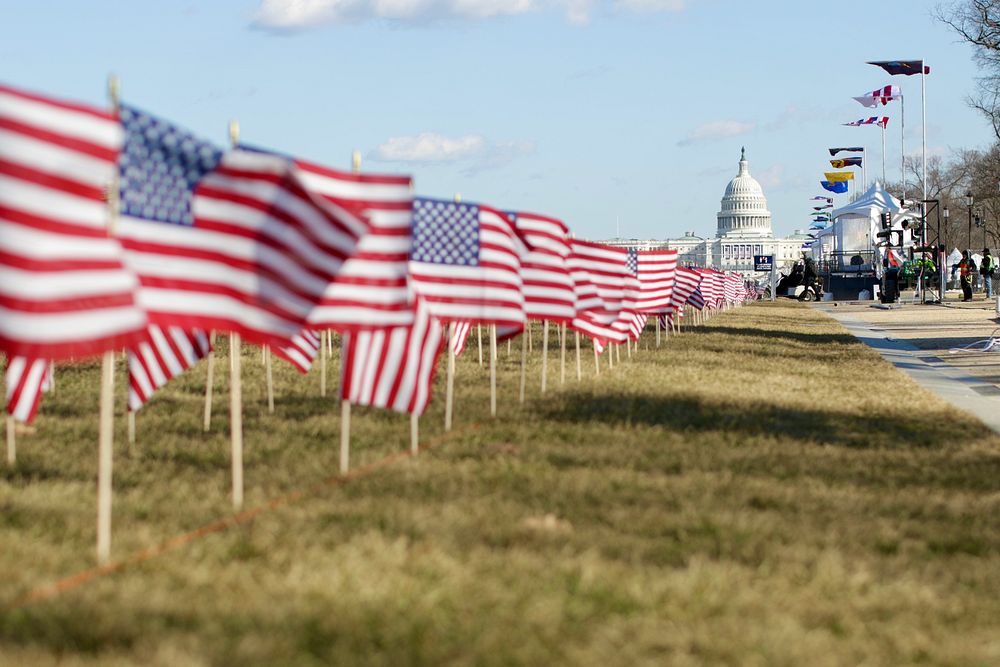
(743, 229)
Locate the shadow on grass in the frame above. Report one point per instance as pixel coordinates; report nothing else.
(772, 334)
(824, 426)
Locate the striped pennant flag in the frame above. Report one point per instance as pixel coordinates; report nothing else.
(169, 352)
(686, 282)
(657, 269)
(466, 262)
(548, 286)
(302, 351)
(64, 289)
(371, 289)
(459, 336)
(225, 240)
(609, 274)
(393, 368)
(26, 380)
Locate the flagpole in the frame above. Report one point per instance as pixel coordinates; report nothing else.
(657, 330)
(325, 349)
(479, 341)
(923, 123)
(105, 437)
(545, 353)
(597, 360)
(209, 380)
(883, 154)
(524, 362)
(414, 433)
(345, 404)
(493, 370)
(579, 367)
(902, 142)
(562, 354)
(449, 394)
(270, 380)
(236, 386)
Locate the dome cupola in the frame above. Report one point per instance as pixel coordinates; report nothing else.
(744, 207)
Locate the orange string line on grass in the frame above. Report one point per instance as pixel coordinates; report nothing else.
(71, 582)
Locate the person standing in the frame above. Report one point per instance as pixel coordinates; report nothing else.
(966, 269)
(986, 269)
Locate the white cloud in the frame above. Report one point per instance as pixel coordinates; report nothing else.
(291, 15)
(771, 177)
(651, 5)
(473, 151)
(430, 147)
(717, 129)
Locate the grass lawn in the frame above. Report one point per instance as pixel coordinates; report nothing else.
(762, 490)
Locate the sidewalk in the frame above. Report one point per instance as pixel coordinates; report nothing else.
(926, 341)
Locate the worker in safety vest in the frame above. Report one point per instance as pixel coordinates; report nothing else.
(966, 269)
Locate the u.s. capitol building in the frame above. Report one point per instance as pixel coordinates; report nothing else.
(743, 230)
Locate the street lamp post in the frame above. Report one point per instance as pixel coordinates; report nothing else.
(968, 202)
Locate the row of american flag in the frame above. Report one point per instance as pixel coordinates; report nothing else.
(119, 229)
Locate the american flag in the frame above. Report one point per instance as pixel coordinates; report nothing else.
(686, 283)
(657, 269)
(26, 380)
(548, 286)
(169, 352)
(881, 96)
(697, 299)
(459, 336)
(882, 122)
(466, 262)
(731, 287)
(302, 351)
(609, 274)
(231, 241)
(370, 290)
(712, 287)
(393, 368)
(64, 288)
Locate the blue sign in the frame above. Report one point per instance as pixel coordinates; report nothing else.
(763, 262)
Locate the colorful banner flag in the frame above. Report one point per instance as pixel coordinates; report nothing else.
(881, 96)
(838, 176)
(881, 121)
(828, 200)
(846, 162)
(837, 188)
(905, 67)
(852, 149)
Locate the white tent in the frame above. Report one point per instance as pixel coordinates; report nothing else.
(857, 225)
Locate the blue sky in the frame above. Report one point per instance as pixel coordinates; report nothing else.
(589, 110)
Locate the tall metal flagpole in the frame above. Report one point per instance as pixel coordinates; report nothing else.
(236, 386)
(345, 404)
(864, 167)
(923, 123)
(883, 153)
(902, 140)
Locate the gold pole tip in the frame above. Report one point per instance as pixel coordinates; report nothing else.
(234, 132)
(356, 161)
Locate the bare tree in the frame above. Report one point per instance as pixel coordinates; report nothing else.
(978, 23)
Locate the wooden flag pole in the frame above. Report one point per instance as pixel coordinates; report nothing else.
(545, 353)
(236, 417)
(131, 428)
(207, 426)
(597, 361)
(493, 370)
(531, 341)
(414, 433)
(324, 343)
(508, 346)
(579, 367)
(236, 386)
(270, 380)
(562, 354)
(450, 387)
(610, 348)
(524, 362)
(105, 434)
(11, 441)
(345, 405)
(657, 331)
(479, 341)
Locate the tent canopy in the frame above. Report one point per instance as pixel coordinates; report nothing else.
(875, 201)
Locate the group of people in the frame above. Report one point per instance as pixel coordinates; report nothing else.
(967, 271)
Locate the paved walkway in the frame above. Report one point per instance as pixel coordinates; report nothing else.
(925, 343)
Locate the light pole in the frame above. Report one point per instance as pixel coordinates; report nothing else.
(968, 202)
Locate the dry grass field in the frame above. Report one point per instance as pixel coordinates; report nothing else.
(763, 490)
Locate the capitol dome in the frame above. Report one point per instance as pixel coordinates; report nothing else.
(744, 207)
